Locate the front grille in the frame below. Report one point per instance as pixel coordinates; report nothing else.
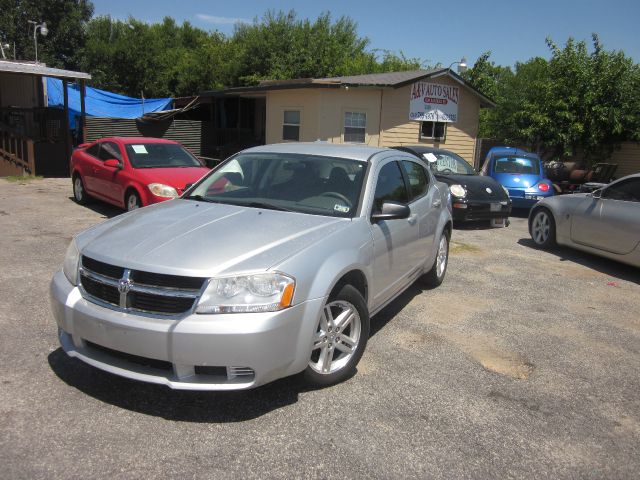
(136, 290)
(143, 361)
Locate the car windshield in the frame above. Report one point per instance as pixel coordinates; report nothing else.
(283, 181)
(160, 155)
(517, 165)
(448, 163)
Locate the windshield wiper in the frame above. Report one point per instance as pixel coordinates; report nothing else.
(269, 206)
(200, 198)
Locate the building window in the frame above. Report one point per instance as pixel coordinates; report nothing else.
(435, 130)
(355, 125)
(291, 125)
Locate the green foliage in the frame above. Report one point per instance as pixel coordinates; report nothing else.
(576, 101)
(66, 21)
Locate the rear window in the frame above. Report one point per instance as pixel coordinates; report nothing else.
(517, 165)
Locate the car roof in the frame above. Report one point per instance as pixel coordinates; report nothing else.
(129, 140)
(420, 149)
(323, 149)
(494, 151)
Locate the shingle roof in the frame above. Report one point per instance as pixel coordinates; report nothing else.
(390, 79)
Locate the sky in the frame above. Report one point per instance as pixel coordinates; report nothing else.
(435, 32)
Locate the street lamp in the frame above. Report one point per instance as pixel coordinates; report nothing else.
(462, 65)
(43, 31)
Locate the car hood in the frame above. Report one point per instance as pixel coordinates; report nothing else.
(174, 177)
(183, 237)
(476, 186)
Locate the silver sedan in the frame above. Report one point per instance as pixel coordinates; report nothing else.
(269, 266)
(605, 222)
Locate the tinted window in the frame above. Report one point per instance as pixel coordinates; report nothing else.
(418, 180)
(159, 155)
(93, 150)
(629, 191)
(390, 186)
(517, 165)
(108, 151)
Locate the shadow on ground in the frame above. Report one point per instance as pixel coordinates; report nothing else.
(101, 208)
(600, 264)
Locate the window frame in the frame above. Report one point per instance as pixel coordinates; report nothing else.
(299, 124)
(613, 187)
(373, 208)
(423, 137)
(344, 126)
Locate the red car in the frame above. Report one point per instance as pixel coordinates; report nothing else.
(132, 172)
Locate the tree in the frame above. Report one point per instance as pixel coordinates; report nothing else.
(66, 22)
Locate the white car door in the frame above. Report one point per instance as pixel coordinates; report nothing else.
(394, 241)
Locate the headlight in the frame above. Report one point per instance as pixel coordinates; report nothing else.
(161, 190)
(263, 292)
(458, 191)
(70, 265)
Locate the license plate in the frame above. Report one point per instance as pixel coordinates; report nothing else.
(534, 197)
(495, 207)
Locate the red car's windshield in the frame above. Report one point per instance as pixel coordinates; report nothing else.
(160, 155)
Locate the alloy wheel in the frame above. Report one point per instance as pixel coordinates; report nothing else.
(540, 227)
(78, 190)
(441, 261)
(336, 338)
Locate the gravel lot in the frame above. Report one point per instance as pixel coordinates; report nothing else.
(523, 364)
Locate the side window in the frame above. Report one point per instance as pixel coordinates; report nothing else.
(108, 151)
(93, 150)
(629, 191)
(418, 180)
(390, 186)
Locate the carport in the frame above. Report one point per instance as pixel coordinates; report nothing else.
(34, 139)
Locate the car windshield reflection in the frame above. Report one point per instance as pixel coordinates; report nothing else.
(290, 182)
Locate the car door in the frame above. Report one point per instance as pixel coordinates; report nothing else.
(425, 204)
(611, 221)
(106, 178)
(88, 165)
(394, 241)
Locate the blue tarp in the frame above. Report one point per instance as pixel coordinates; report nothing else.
(100, 103)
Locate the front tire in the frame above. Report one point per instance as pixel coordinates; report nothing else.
(339, 339)
(132, 201)
(542, 228)
(435, 276)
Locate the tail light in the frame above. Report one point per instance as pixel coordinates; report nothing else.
(543, 187)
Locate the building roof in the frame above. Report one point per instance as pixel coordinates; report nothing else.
(379, 80)
(40, 69)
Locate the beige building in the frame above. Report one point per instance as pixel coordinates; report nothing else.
(429, 107)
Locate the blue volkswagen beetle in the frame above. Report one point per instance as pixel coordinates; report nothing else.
(520, 172)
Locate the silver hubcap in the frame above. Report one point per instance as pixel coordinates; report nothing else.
(441, 261)
(336, 338)
(132, 202)
(540, 228)
(77, 188)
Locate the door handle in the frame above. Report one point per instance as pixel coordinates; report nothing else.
(412, 219)
(437, 203)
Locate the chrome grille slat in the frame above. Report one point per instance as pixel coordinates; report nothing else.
(165, 299)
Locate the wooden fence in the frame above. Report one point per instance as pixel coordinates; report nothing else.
(16, 154)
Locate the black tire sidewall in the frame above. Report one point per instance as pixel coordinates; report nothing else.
(83, 198)
(353, 296)
(431, 278)
(126, 200)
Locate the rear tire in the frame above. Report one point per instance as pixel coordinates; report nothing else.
(339, 339)
(434, 277)
(79, 192)
(542, 228)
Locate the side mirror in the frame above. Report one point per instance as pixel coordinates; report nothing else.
(112, 162)
(391, 211)
(597, 193)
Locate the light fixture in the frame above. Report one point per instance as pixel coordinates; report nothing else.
(44, 31)
(462, 65)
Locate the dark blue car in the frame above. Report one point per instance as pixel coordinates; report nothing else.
(520, 172)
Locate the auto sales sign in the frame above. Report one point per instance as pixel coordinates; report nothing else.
(434, 102)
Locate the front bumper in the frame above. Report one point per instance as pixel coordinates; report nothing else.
(194, 352)
(476, 210)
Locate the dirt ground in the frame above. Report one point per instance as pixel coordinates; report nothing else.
(523, 364)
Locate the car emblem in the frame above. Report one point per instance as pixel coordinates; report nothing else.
(124, 286)
(488, 190)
